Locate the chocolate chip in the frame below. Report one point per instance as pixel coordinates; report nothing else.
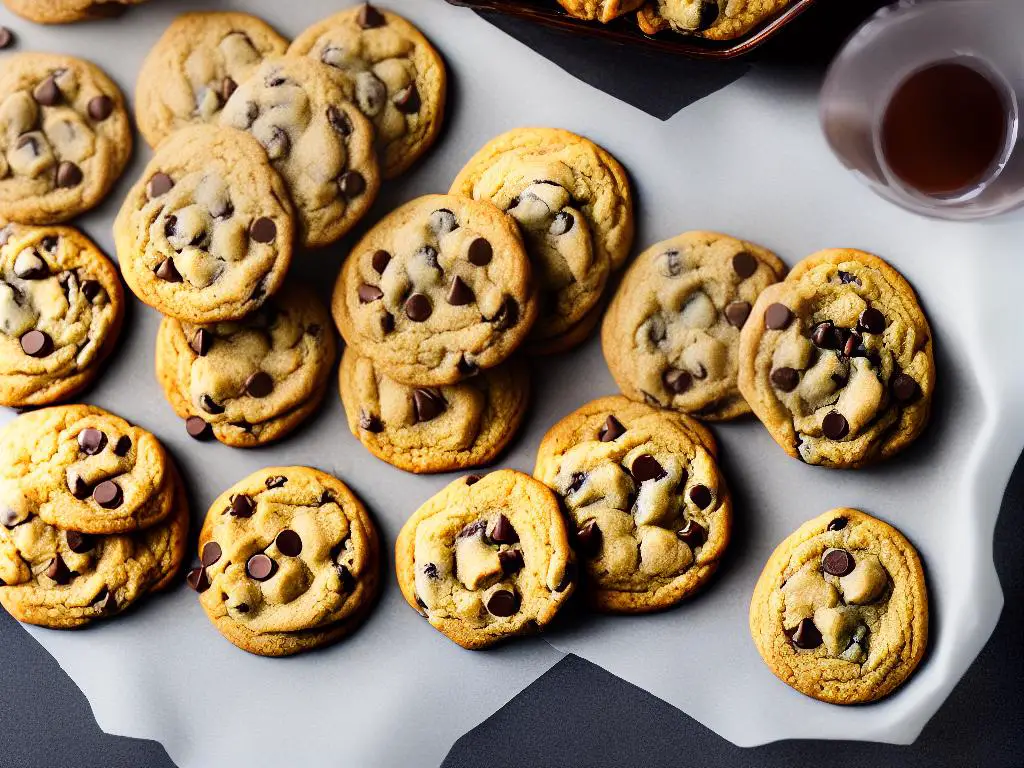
(263, 230)
(418, 308)
(826, 336)
(701, 496)
(466, 366)
(837, 562)
(671, 264)
(676, 381)
(339, 120)
(380, 261)
(460, 294)
(201, 342)
(904, 388)
(198, 580)
(777, 316)
(853, 346)
(326, 497)
(352, 184)
(507, 315)
(430, 571)
(211, 553)
(480, 252)
(511, 560)
(6, 38)
(646, 467)
(693, 534)
(785, 379)
(100, 107)
(210, 405)
(276, 481)
(29, 266)
(91, 289)
(260, 567)
(368, 293)
(79, 543)
(503, 532)
(575, 482)
(737, 313)
(588, 539)
(260, 384)
(369, 17)
(835, 426)
(78, 487)
(428, 404)
(197, 428)
(108, 494)
(28, 141)
(159, 184)
(871, 320)
(502, 603)
(242, 505)
(370, 423)
(47, 92)
(472, 529)
(837, 524)
(708, 14)
(289, 543)
(443, 221)
(167, 272)
(59, 571)
(36, 344)
(348, 583)
(846, 278)
(805, 635)
(612, 429)
(68, 175)
(407, 100)
(743, 264)
(561, 224)
(105, 602)
(91, 441)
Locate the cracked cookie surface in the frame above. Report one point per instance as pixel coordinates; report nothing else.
(254, 380)
(649, 507)
(61, 308)
(573, 204)
(711, 19)
(486, 559)
(64, 137)
(434, 429)
(320, 143)
(195, 66)
(436, 291)
(840, 612)
(206, 234)
(390, 71)
(837, 360)
(671, 335)
(289, 561)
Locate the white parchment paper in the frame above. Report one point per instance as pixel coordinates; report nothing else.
(748, 160)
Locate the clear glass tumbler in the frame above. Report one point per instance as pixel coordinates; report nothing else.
(901, 40)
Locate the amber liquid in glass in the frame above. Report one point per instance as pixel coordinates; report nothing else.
(944, 130)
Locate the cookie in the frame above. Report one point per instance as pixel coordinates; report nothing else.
(68, 11)
(649, 508)
(840, 612)
(572, 202)
(61, 308)
(837, 360)
(252, 381)
(78, 467)
(486, 559)
(289, 561)
(437, 291)
(390, 71)
(195, 66)
(62, 578)
(710, 19)
(64, 137)
(320, 143)
(672, 332)
(599, 10)
(434, 429)
(206, 234)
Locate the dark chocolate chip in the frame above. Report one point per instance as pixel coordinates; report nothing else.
(47, 92)
(78, 487)
(707, 15)
(480, 252)
(370, 423)
(502, 603)
(28, 141)
(105, 601)
(352, 184)
(904, 388)
(835, 426)
(276, 481)
(777, 316)
(466, 366)
(263, 230)
(846, 278)
(737, 313)
(701, 496)
(837, 562)
(36, 344)
(210, 405)
(744, 264)
(477, 527)
(472, 479)
(460, 294)
(91, 441)
(837, 524)
(31, 268)
(871, 320)
(826, 336)
(100, 107)
(503, 532)
(380, 261)
(6, 38)
(369, 17)
(430, 571)
(853, 346)
(692, 533)
(567, 577)
(197, 428)
(507, 315)
(242, 505)
(612, 429)
(443, 221)
(59, 571)
(348, 583)
(211, 553)
(260, 567)
(575, 482)
(339, 121)
(511, 560)
(167, 272)
(198, 580)
(428, 404)
(588, 539)
(646, 467)
(785, 379)
(91, 289)
(159, 184)
(561, 224)
(260, 384)
(79, 543)
(676, 381)
(201, 342)
(68, 175)
(407, 100)
(368, 293)
(418, 308)
(289, 543)
(108, 494)
(805, 635)
(326, 497)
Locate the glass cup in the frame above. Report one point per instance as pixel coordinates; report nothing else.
(894, 44)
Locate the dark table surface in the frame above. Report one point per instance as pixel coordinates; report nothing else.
(577, 714)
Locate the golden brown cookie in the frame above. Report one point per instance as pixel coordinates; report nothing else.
(289, 561)
(650, 511)
(837, 360)
(61, 307)
(68, 11)
(671, 335)
(195, 66)
(390, 71)
(434, 429)
(711, 19)
(840, 611)
(64, 137)
(486, 559)
(599, 10)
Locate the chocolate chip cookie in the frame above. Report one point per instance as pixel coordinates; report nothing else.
(650, 510)
(68, 11)
(391, 71)
(63, 578)
(195, 66)
(573, 203)
(320, 143)
(61, 307)
(672, 333)
(289, 561)
(437, 291)
(80, 468)
(840, 611)
(837, 360)
(434, 429)
(252, 381)
(710, 19)
(206, 234)
(599, 10)
(486, 559)
(64, 137)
